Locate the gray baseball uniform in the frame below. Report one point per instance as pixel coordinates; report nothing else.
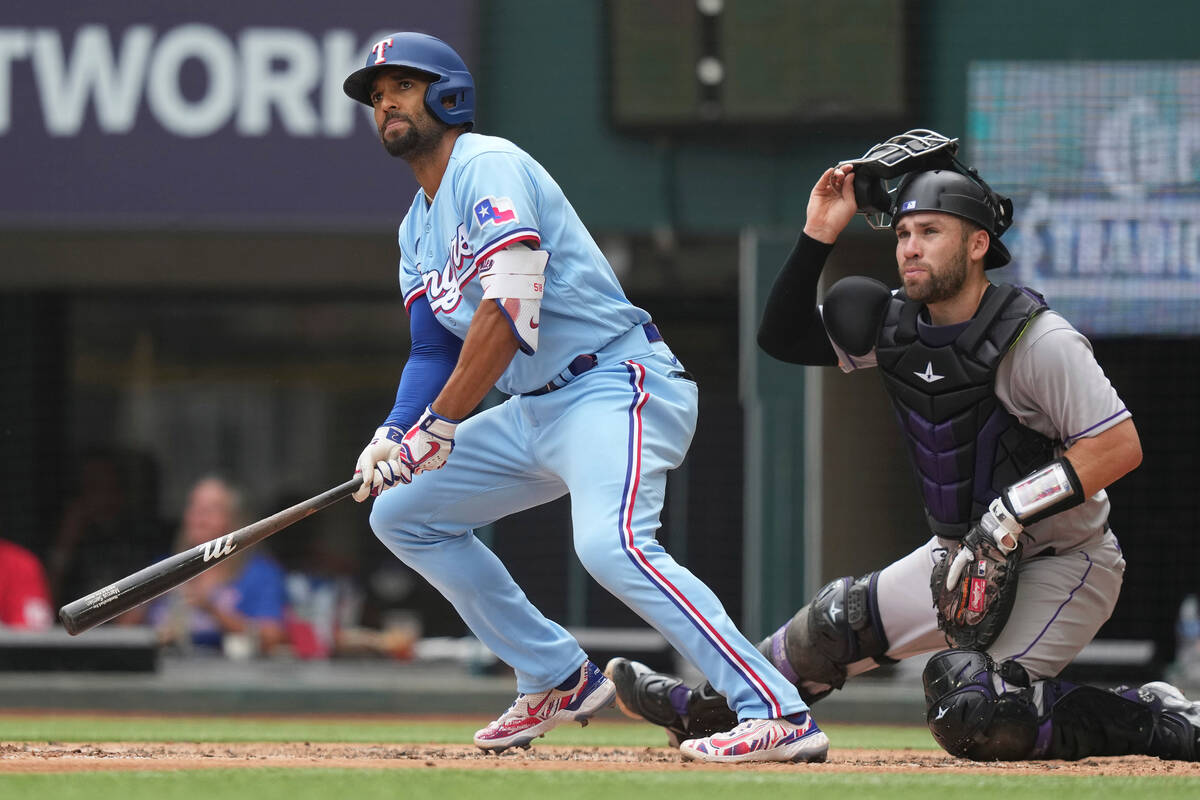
(1072, 568)
(983, 405)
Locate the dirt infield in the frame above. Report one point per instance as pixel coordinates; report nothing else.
(61, 757)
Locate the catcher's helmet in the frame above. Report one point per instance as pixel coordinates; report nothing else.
(965, 196)
(426, 54)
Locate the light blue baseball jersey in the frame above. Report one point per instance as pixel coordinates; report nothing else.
(494, 195)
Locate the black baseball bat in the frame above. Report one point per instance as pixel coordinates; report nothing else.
(146, 584)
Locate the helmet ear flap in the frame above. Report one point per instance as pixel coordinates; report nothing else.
(871, 195)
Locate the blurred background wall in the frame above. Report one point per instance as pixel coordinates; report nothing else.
(198, 262)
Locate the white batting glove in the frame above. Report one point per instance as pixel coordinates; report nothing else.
(383, 449)
(427, 444)
(999, 524)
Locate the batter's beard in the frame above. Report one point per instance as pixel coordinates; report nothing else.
(421, 137)
(941, 285)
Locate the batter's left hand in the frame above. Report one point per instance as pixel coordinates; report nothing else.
(427, 444)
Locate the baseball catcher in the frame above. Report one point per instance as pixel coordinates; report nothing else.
(1014, 432)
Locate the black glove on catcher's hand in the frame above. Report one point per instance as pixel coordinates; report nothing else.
(974, 586)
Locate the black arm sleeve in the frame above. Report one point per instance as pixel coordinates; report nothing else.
(791, 329)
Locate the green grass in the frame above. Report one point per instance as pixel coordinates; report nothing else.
(451, 784)
(58, 727)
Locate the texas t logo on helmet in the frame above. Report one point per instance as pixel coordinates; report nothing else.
(379, 48)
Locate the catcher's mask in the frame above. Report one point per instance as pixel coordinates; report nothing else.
(933, 180)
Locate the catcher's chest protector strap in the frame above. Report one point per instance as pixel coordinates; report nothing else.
(964, 445)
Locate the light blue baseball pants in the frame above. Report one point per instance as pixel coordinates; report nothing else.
(608, 437)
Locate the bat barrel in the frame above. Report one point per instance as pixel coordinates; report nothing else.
(133, 590)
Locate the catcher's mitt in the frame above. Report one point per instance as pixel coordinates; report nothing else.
(972, 612)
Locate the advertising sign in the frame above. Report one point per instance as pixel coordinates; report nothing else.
(1102, 161)
(159, 115)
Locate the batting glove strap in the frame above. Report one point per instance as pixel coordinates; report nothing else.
(386, 438)
(437, 425)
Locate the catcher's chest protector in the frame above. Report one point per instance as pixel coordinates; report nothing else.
(964, 444)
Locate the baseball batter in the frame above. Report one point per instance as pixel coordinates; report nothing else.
(504, 286)
(1015, 432)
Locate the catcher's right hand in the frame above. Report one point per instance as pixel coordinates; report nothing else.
(997, 525)
(831, 204)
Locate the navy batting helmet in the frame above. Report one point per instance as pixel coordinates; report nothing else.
(965, 196)
(426, 54)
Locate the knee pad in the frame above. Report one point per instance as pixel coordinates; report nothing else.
(839, 627)
(968, 717)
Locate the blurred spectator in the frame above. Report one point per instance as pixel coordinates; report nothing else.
(236, 606)
(325, 603)
(110, 528)
(24, 592)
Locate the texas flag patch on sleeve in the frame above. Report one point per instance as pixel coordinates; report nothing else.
(496, 210)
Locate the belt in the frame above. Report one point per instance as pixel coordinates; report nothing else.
(585, 362)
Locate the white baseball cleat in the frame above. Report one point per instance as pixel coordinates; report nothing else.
(531, 715)
(762, 740)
